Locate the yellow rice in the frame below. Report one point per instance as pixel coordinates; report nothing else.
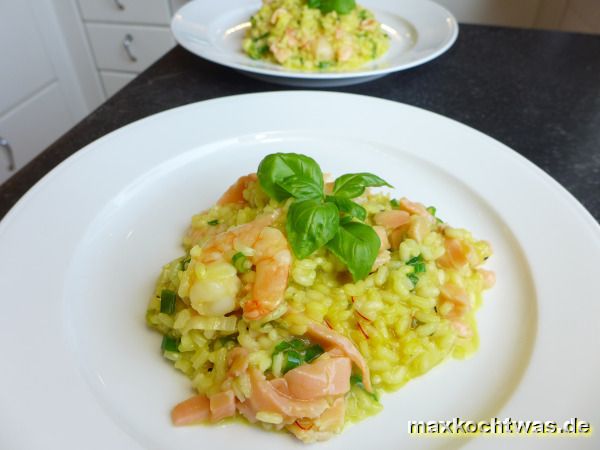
(400, 329)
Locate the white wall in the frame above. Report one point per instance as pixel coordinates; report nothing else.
(567, 15)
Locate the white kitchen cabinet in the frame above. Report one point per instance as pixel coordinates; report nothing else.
(128, 48)
(115, 81)
(126, 11)
(26, 68)
(126, 36)
(40, 93)
(34, 124)
(176, 4)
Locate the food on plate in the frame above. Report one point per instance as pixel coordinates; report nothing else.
(315, 34)
(299, 301)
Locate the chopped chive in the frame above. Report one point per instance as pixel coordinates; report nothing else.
(281, 347)
(356, 380)
(167, 301)
(413, 278)
(292, 360)
(212, 223)
(297, 344)
(431, 210)
(414, 260)
(313, 352)
(420, 267)
(170, 344)
(240, 262)
(184, 263)
(394, 203)
(324, 64)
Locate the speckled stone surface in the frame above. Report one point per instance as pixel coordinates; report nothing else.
(536, 91)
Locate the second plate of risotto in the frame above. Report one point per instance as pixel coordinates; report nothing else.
(316, 42)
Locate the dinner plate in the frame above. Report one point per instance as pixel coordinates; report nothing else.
(82, 249)
(419, 31)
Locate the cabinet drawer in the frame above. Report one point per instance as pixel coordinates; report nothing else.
(34, 125)
(111, 42)
(115, 81)
(130, 11)
(176, 4)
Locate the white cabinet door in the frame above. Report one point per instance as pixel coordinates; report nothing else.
(33, 125)
(176, 4)
(24, 66)
(131, 11)
(115, 81)
(128, 48)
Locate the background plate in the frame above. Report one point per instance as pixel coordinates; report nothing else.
(419, 30)
(82, 249)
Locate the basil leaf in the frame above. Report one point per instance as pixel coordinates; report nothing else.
(348, 207)
(339, 6)
(352, 185)
(357, 246)
(277, 167)
(310, 225)
(314, 3)
(301, 188)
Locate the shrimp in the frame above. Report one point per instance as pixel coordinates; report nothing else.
(344, 53)
(392, 219)
(235, 193)
(383, 256)
(272, 259)
(455, 255)
(458, 297)
(216, 292)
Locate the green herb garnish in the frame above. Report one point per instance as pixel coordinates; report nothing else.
(212, 223)
(356, 380)
(314, 219)
(413, 278)
(432, 210)
(167, 301)
(240, 262)
(297, 352)
(418, 264)
(170, 344)
(339, 6)
(394, 203)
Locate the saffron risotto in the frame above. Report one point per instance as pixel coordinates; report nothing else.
(415, 309)
(297, 36)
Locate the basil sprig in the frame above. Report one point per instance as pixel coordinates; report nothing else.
(315, 219)
(339, 6)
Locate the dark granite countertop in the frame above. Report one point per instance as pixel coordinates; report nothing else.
(536, 91)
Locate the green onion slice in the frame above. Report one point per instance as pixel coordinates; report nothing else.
(167, 301)
(170, 344)
(313, 352)
(413, 278)
(240, 262)
(292, 360)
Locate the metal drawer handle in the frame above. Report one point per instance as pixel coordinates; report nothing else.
(11, 158)
(119, 4)
(127, 46)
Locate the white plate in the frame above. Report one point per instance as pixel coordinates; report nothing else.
(419, 30)
(82, 249)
